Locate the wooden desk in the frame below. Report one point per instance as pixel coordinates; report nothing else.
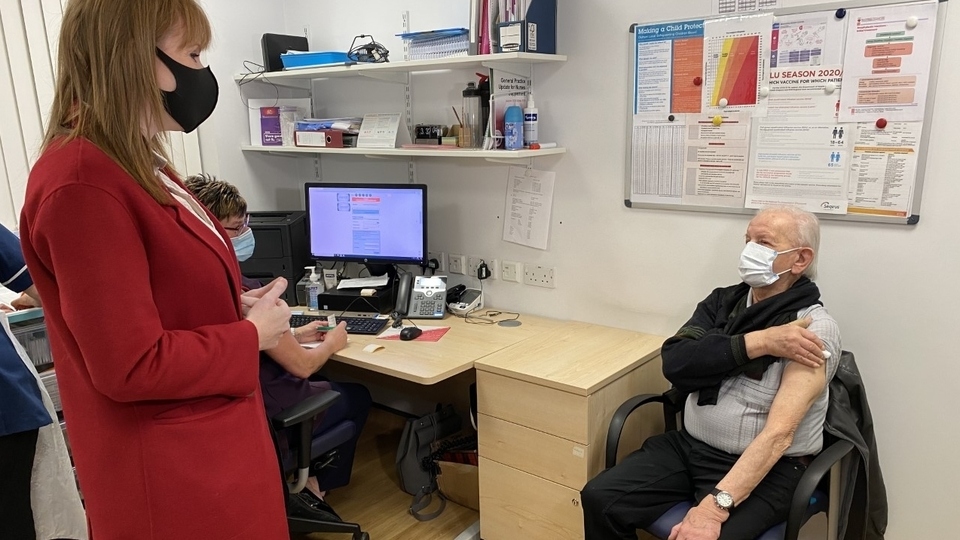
(423, 362)
(546, 393)
(545, 404)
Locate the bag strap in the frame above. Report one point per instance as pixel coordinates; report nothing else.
(422, 500)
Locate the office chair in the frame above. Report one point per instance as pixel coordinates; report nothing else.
(809, 498)
(303, 446)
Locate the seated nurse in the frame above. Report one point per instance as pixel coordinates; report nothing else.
(285, 370)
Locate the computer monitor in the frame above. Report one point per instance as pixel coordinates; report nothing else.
(375, 224)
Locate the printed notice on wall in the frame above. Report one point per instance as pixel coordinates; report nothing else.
(656, 160)
(669, 60)
(883, 169)
(886, 67)
(715, 160)
(800, 165)
(731, 7)
(734, 50)
(526, 210)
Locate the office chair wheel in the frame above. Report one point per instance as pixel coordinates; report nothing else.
(361, 536)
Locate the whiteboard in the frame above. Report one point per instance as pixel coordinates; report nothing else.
(689, 149)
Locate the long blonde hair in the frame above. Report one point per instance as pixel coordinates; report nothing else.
(106, 86)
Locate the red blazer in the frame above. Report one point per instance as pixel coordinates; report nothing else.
(158, 371)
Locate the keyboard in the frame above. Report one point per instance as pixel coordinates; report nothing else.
(355, 325)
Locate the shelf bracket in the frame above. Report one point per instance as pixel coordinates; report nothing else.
(287, 154)
(296, 84)
(395, 77)
(513, 68)
(514, 162)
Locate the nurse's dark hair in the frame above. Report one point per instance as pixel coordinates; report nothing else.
(106, 84)
(223, 199)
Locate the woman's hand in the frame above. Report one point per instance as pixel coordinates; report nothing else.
(335, 339)
(249, 298)
(269, 314)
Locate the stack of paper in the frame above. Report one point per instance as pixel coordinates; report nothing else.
(437, 43)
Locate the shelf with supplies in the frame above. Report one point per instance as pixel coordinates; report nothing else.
(427, 151)
(518, 63)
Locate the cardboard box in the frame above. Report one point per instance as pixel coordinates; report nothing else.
(460, 483)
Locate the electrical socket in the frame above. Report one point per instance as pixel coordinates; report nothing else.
(511, 271)
(441, 257)
(473, 263)
(538, 276)
(456, 263)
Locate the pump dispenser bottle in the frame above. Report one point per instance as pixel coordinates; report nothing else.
(531, 118)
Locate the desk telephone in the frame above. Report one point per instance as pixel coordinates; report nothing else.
(421, 297)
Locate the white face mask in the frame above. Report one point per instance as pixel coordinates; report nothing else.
(756, 264)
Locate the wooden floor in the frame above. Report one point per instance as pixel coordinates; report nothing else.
(374, 499)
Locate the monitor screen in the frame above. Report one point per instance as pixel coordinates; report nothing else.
(368, 223)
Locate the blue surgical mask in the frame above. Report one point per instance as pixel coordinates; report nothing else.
(243, 245)
(756, 264)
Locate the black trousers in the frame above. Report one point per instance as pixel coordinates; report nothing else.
(354, 404)
(672, 468)
(16, 469)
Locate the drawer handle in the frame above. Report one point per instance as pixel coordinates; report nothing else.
(575, 502)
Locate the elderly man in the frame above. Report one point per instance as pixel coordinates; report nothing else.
(756, 358)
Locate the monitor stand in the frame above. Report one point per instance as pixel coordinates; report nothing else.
(381, 269)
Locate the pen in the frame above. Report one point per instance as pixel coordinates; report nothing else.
(457, 115)
(539, 146)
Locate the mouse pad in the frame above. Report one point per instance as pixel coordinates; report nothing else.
(430, 333)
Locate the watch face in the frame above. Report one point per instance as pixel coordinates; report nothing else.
(724, 500)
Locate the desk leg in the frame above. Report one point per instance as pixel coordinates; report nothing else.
(470, 533)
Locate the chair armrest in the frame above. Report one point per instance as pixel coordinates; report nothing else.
(620, 418)
(305, 410)
(809, 482)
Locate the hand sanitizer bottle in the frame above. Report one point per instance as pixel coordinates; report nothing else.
(313, 290)
(530, 119)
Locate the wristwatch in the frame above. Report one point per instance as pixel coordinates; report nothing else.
(723, 499)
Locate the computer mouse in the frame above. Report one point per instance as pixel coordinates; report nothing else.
(410, 333)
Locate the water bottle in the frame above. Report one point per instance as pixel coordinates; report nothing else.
(471, 136)
(513, 128)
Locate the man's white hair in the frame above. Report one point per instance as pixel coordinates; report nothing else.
(806, 232)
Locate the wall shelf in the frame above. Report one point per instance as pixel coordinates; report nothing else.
(399, 72)
(404, 153)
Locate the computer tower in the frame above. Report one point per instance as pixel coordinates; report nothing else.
(281, 249)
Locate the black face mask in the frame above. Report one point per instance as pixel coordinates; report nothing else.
(196, 94)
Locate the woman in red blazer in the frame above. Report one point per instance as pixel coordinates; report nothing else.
(156, 348)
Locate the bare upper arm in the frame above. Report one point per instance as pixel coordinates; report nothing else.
(799, 388)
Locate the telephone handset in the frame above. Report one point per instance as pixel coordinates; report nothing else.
(402, 306)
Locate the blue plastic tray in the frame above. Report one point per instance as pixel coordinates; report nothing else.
(312, 59)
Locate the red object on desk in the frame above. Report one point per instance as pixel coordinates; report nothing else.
(434, 334)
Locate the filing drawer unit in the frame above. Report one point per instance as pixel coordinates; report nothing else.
(544, 406)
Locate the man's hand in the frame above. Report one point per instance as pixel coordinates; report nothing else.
(791, 341)
(701, 522)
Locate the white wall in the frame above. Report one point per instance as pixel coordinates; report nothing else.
(891, 288)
